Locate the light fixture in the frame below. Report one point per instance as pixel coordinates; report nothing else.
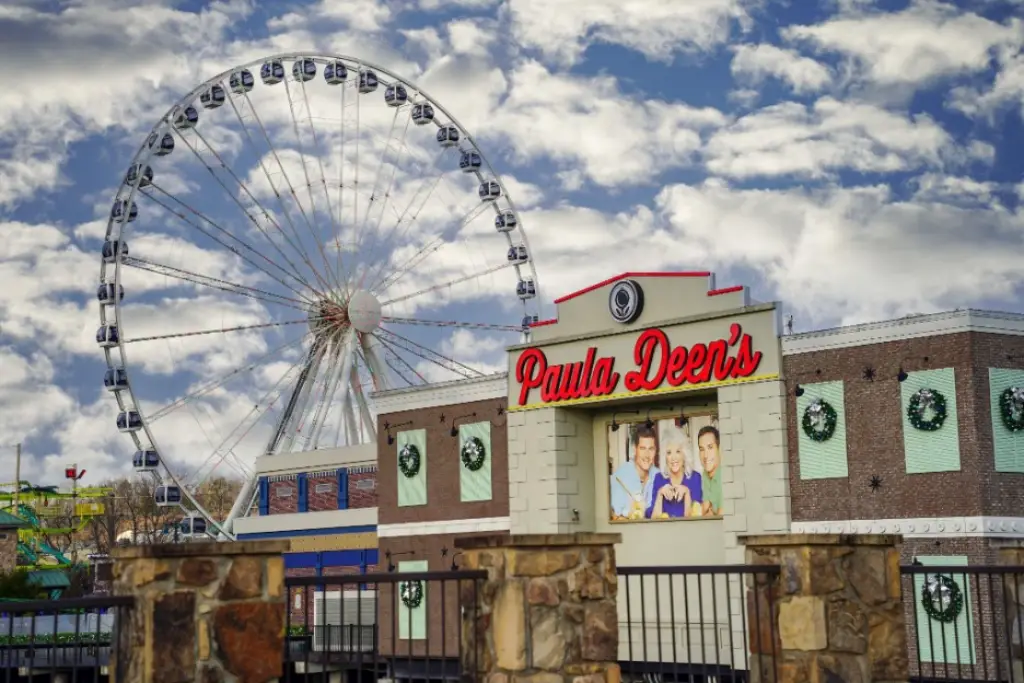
(388, 427)
(454, 431)
(798, 391)
(901, 376)
(615, 424)
(649, 423)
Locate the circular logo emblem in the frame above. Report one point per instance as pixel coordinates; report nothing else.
(626, 301)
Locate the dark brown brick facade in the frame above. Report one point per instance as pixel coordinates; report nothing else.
(874, 432)
(443, 498)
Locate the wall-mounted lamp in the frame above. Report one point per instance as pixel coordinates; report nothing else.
(388, 427)
(388, 555)
(901, 375)
(799, 390)
(454, 431)
(649, 423)
(444, 553)
(615, 424)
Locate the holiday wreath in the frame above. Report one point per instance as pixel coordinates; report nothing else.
(919, 403)
(412, 594)
(409, 460)
(1011, 405)
(942, 599)
(473, 454)
(819, 421)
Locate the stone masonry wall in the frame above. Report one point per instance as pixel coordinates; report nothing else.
(8, 549)
(204, 612)
(547, 612)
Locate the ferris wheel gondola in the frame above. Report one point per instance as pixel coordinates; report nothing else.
(338, 253)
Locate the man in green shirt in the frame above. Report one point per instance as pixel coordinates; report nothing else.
(711, 483)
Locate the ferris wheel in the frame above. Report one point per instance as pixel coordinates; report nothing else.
(292, 235)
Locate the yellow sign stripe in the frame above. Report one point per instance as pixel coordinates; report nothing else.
(366, 540)
(641, 394)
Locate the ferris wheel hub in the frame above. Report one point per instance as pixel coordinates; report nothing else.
(364, 311)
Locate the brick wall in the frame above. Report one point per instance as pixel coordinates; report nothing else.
(360, 492)
(323, 491)
(284, 496)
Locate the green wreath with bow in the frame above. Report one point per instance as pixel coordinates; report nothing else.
(919, 403)
(1011, 406)
(819, 420)
(473, 453)
(412, 593)
(942, 599)
(409, 460)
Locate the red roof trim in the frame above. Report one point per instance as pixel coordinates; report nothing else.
(727, 290)
(542, 323)
(625, 275)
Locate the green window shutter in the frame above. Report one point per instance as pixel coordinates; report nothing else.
(937, 451)
(1008, 446)
(823, 459)
(951, 643)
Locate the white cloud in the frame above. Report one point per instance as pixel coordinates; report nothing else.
(758, 62)
(563, 30)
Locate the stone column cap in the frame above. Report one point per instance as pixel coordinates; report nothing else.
(536, 540)
(1008, 543)
(204, 549)
(779, 540)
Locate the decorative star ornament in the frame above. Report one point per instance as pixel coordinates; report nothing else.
(876, 483)
(869, 374)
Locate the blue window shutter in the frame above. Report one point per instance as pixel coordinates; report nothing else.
(343, 489)
(264, 487)
(303, 492)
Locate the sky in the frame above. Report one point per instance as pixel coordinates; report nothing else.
(854, 160)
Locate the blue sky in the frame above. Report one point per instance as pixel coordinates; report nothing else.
(855, 160)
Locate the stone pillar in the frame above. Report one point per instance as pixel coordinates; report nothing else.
(834, 613)
(204, 612)
(1010, 553)
(547, 612)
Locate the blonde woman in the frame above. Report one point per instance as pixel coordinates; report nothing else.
(677, 490)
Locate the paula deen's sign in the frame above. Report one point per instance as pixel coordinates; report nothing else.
(656, 364)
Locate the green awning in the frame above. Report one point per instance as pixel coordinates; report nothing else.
(9, 521)
(49, 579)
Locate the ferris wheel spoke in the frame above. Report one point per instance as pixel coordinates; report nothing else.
(223, 379)
(213, 283)
(452, 323)
(397, 358)
(223, 330)
(234, 198)
(332, 378)
(427, 354)
(360, 224)
(227, 233)
(405, 221)
(261, 407)
(315, 227)
(446, 285)
(295, 245)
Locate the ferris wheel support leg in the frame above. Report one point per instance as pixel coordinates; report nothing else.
(370, 345)
(364, 408)
(291, 431)
(242, 504)
(334, 376)
(352, 434)
(347, 353)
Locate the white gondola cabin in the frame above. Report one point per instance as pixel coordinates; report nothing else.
(395, 95)
(422, 114)
(335, 73)
(213, 97)
(241, 81)
(470, 162)
(529, 320)
(304, 70)
(115, 379)
(489, 190)
(367, 81)
(186, 118)
(124, 210)
(167, 495)
(146, 460)
(129, 421)
(447, 136)
(111, 249)
(107, 336)
(272, 72)
(140, 173)
(506, 221)
(109, 293)
(193, 526)
(161, 144)
(517, 254)
(526, 289)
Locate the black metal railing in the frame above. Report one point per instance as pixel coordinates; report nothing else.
(70, 637)
(697, 623)
(405, 625)
(964, 623)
